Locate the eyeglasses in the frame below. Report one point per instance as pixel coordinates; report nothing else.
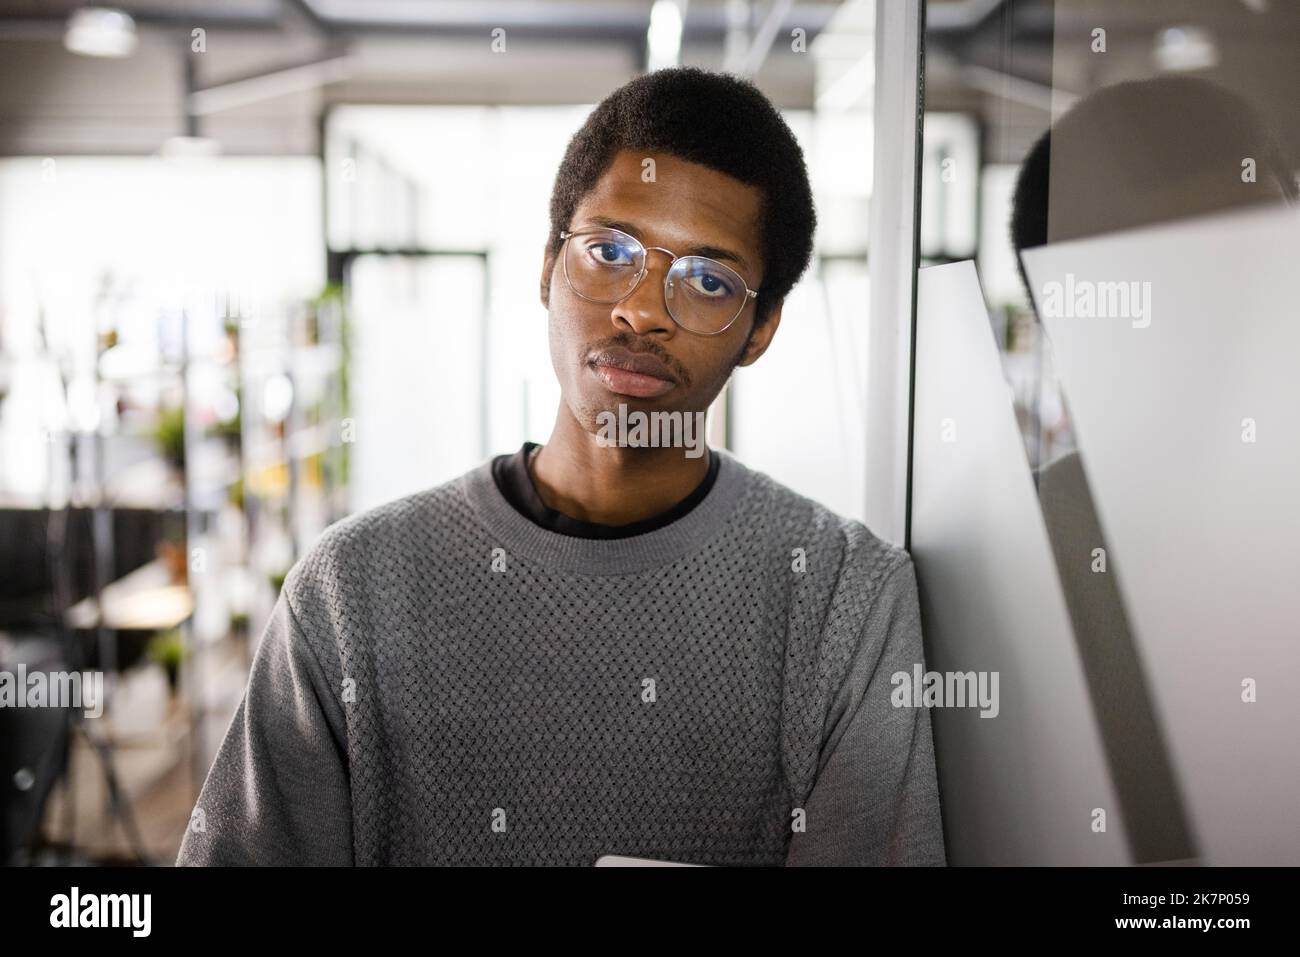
(602, 264)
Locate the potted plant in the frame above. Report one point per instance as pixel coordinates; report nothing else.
(167, 648)
(277, 580)
(169, 433)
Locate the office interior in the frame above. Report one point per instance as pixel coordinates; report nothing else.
(268, 263)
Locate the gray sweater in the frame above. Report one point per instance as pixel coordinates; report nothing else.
(444, 682)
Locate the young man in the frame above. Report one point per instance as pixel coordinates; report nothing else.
(603, 647)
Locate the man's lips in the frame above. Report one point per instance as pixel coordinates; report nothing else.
(631, 373)
(631, 383)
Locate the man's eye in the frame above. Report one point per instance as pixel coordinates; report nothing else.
(710, 285)
(610, 254)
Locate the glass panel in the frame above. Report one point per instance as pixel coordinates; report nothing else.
(1194, 466)
(1016, 779)
(1124, 138)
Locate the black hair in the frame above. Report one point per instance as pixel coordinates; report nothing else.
(1137, 136)
(719, 121)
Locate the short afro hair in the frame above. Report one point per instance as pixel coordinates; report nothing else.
(744, 137)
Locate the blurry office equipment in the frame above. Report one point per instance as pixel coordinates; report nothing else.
(178, 507)
(33, 750)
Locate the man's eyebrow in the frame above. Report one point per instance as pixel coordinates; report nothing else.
(710, 252)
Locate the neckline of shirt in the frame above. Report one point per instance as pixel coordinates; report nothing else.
(614, 556)
(516, 482)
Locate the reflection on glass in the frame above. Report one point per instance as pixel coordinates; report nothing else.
(1098, 116)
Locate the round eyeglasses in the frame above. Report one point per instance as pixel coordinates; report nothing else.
(605, 265)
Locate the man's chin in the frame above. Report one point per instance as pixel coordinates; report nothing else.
(632, 423)
(599, 413)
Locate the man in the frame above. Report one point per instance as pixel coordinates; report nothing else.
(603, 646)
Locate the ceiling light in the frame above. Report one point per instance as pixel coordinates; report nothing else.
(665, 34)
(100, 31)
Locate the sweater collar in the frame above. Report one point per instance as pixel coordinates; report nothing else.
(619, 556)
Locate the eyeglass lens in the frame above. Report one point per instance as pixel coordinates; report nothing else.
(701, 294)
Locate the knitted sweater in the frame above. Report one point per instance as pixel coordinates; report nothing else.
(444, 682)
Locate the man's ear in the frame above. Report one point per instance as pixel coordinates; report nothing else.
(761, 337)
(548, 268)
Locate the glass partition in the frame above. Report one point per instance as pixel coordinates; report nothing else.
(1126, 198)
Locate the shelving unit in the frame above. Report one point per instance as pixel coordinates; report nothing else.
(245, 413)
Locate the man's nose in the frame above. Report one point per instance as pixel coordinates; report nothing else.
(644, 310)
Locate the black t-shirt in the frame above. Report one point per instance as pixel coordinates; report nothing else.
(511, 475)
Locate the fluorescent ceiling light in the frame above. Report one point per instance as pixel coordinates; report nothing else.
(100, 31)
(665, 34)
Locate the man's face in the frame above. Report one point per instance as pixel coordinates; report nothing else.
(687, 206)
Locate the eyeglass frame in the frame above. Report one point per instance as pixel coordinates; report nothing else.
(566, 235)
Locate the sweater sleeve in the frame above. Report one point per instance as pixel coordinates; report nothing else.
(277, 792)
(875, 799)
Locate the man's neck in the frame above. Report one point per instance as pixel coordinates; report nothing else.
(577, 476)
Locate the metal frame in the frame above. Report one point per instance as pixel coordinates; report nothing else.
(566, 235)
(893, 240)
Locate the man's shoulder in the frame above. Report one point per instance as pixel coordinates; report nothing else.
(793, 516)
(380, 540)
